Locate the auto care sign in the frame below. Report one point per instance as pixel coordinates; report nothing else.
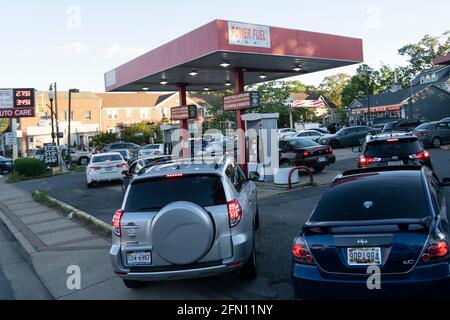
(241, 101)
(184, 113)
(17, 103)
(249, 35)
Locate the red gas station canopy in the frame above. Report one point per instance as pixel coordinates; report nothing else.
(265, 53)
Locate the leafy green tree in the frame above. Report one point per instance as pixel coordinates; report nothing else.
(364, 82)
(421, 54)
(103, 138)
(141, 133)
(333, 86)
(4, 124)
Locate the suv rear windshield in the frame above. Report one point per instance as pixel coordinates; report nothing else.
(154, 194)
(386, 148)
(398, 197)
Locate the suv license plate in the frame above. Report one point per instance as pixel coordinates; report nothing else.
(364, 256)
(395, 163)
(139, 258)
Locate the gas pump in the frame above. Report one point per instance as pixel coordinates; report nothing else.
(263, 150)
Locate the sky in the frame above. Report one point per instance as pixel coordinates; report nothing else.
(75, 42)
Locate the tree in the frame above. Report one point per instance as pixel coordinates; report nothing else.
(103, 138)
(364, 82)
(4, 124)
(420, 55)
(333, 86)
(141, 133)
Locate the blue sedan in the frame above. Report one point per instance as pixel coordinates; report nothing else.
(380, 232)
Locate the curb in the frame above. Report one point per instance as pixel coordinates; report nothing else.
(446, 147)
(82, 215)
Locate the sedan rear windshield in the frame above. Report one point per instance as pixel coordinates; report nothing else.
(154, 194)
(152, 147)
(387, 149)
(426, 126)
(398, 197)
(302, 143)
(107, 158)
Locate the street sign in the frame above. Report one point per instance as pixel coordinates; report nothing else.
(10, 139)
(241, 101)
(51, 155)
(184, 112)
(17, 103)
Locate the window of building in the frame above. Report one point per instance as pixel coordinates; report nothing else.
(422, 80)
(428, 78)
(433, 77)
(66, 113)
(112, 114)
(88, 115)
(144, 114)
(129, 113)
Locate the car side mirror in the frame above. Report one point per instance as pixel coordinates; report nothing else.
(254, 176)
(357, 149)
(445, 182)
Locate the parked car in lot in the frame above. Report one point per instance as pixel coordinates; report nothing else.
(105, 167)
(402, 125)
(132, 147)
(151, 150)
(391, 218)
(282, 133)
(379, 123)
(80, 157)
(304, 152)
(126, 155)
(347, 137)
(37, 154)
(307, 134)
(434, 134)
(186, 220)
(393, 149)
(139, 166)
(6, 164)
(446, 119)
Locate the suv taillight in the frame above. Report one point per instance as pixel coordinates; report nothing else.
(301, 252)
(424, 155)
(116, 222)
(234, 213)
(435, 251)
(365, 161)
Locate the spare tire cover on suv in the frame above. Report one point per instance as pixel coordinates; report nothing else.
(182, 233)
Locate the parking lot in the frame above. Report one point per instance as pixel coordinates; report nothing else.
(282, 215)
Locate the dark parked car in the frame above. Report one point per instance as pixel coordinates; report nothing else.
(139, 166)
(6, 164)
(434, 133)
(132, 147)
(393, 149)
(347, 137)
(391, 219)
(379, 123)
(402, 125)
(304, 152)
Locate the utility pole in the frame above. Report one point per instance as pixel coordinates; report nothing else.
(56, 114)
(51, 97)
(68, 130)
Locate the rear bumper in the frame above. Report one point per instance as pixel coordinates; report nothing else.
(96, 177)
(242, 248)
(424, 282)
(315, 162)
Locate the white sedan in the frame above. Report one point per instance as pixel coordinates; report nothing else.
(105, 167)
(307, 134)
(151, 150)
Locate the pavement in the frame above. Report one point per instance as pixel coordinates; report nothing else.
(53, 243)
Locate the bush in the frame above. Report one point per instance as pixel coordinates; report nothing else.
(29, 167)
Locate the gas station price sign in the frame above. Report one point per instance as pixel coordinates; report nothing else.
(17, 103)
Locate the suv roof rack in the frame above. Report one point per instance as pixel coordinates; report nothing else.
(378, 169)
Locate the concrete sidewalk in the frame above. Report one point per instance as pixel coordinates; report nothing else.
(54, 243)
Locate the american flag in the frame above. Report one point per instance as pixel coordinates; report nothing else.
(307, 104)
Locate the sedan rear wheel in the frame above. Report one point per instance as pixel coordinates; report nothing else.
(436, 142)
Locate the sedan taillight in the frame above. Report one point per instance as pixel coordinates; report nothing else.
(92, 169)
(123, 165)
(234, 213)
(436, 250)
(421, 133)
(301, 252)
(116, 222)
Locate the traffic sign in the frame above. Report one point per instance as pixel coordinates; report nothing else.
(10, 139)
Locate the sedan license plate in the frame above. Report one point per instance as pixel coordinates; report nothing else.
(322, 159)
(139, 258)
(109, 169)
(395, 163)
(364, 256)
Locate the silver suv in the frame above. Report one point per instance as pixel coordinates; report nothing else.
(185, 220)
